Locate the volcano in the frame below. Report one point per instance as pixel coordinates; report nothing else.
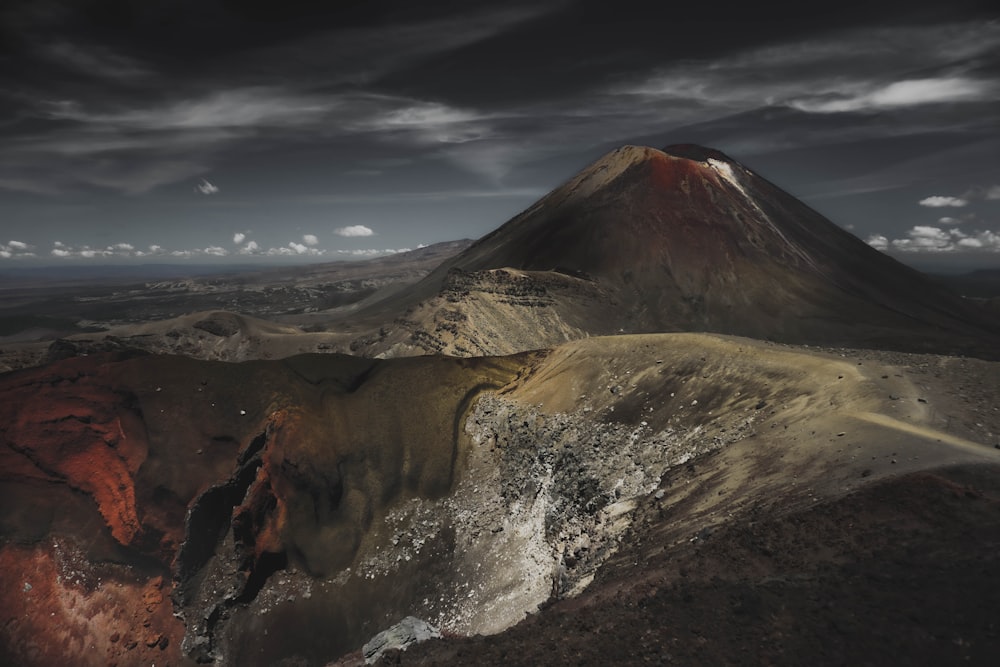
(683, 239)
(655, 497)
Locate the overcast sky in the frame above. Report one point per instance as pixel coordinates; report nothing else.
(201, 129)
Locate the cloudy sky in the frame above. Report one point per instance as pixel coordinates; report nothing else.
(220, 130)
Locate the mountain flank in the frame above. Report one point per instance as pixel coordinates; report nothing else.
(683, 239)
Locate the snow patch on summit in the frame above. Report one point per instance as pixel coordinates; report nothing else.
(725, 170)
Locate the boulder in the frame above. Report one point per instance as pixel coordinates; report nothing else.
(401, 636)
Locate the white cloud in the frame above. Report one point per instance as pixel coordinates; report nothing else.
(301, 249)
(428, 122)
(993, 193)
(938, 201)
(210, 251)
(853, 70)
(206, 188)
(929, 91)
(60, 249)
(907, 93)
(370, 252)
(925, 238)
(257, 106)
(310, 239)
(239, 237)
(353, 230)
(122, 250)
(249, 248)
(949, 221)
(878, 241)
(985, 240)
(991, 239)
(16, 249)
(64, 250)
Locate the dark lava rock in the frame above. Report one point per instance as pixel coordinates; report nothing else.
(401, 636)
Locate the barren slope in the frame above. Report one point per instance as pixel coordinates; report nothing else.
(898, 572)
(230, 315)
(292, 509)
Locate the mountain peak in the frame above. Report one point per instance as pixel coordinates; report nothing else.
(624, 157)
(596, 176)
(696, 153)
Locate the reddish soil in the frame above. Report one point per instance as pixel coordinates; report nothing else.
(77, 429)
(59, 608)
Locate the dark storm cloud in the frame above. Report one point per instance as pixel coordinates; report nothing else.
(338, 81)
(182, 117)
(845, 87)
(591, 44)
(363, 102)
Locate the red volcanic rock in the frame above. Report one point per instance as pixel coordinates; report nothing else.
(139, 437)
(259, 521)
(212, 476)
(77, 429)
(60, 609)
